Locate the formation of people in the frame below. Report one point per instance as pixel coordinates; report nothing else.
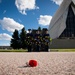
(38, 42)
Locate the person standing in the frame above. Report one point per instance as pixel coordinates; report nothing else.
(29, 41)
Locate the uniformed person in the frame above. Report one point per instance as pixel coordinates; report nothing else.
(37, 41)
(29, 41)
(46, 41)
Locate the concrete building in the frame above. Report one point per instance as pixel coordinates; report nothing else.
(62, 26)
(63, 22)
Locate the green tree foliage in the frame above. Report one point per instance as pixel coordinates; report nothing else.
(39, 28)
(34, 39)
(23, 38)
(15, 42)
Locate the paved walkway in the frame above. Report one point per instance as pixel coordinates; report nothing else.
(49, 63)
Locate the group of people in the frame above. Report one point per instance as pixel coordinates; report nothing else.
(38, 42)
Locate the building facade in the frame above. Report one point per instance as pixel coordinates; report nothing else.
(69, 32)
(63, 22)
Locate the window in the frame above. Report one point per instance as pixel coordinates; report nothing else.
(70, 24)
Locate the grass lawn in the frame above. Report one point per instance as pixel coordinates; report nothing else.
(16, 50)
(62, 50)
(52, 50)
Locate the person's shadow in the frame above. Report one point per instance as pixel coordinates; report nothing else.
(23, 66)
(26, 66)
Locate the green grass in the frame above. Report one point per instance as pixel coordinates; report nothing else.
(62, 50)
(16, 50)
(52, 50)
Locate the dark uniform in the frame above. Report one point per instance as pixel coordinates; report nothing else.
(46, 41)
(29, 42)
(37, 42)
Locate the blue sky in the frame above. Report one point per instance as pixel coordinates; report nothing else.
(16, 14)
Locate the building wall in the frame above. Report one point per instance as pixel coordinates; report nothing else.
(58, 22)
(62, 44)
(70, 24)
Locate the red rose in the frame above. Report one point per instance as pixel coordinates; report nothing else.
(32, 63)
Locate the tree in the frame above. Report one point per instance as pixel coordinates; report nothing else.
(15, 41)
(23, 38)
(39, 28)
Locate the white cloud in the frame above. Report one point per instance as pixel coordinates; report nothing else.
(58, 2)
(24, 5)
(44, 20)
(5, 36)
(10, 25)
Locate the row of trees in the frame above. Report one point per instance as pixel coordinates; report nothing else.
(19, 39)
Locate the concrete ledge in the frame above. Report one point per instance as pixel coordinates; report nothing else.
(62, 44)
